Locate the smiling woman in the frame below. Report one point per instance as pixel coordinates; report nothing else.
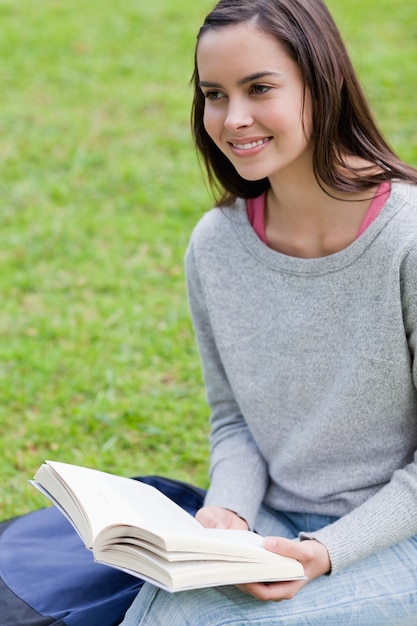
(303, 296)
(343, 123)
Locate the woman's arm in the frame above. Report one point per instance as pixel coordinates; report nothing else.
(389, 516)
(238, 473)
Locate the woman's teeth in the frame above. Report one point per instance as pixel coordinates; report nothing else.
(252, 144)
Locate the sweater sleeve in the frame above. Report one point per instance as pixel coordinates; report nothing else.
(238, 473)
(390, 516)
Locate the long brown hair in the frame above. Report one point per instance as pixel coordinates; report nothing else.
(343, 124)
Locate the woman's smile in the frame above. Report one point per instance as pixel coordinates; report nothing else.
(247, 146)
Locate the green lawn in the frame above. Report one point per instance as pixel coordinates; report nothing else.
(100, 190)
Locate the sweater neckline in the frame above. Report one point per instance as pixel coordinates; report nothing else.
(333, 262)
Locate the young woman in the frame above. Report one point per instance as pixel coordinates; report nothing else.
(303, 292)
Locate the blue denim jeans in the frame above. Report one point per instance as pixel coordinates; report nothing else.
(380, 590)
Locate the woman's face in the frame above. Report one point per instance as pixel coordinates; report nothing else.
(255, 109)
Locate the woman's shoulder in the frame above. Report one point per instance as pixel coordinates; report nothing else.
(403, 203)
(403, 233)
(217, 224)
(404, 192)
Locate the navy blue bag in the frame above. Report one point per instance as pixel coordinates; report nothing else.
(48, 577)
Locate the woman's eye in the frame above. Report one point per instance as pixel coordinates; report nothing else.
(258, 90)
(213, 95)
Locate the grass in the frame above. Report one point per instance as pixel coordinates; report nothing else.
(100, 190)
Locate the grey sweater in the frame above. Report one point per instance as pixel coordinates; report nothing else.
(310, 368)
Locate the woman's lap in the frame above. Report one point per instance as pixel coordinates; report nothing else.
(378, 591)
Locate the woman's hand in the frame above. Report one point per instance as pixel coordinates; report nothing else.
(217, 517)
(311, 554)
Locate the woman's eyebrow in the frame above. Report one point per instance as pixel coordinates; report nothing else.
(242, 81)
(204, 83)
(256, 76)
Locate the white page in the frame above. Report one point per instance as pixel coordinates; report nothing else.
(109, 499)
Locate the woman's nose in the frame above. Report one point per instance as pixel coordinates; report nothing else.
(238, 115)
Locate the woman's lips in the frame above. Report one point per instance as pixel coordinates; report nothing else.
(248, 145)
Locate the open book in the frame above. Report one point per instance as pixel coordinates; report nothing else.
(134, 527)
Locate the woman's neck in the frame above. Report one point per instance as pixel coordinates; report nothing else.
(305, 221)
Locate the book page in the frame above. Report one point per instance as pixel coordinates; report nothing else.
(190, 574)
(112, 500)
